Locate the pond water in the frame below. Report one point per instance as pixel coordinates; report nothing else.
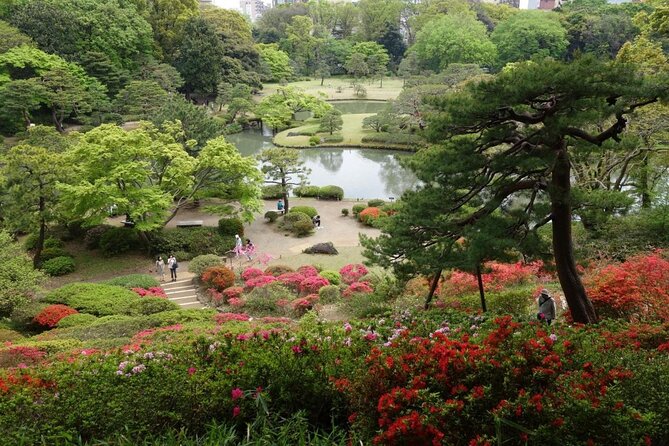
(362, 173)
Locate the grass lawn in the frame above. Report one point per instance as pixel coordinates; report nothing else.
(352, 131)
(392, 87)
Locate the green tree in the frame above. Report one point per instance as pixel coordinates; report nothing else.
(356, 65)
(140, 99)
(347, 18)
(528, 34)
(331, 121)
(277, 109)
(376, 16)
(282, 166)
(454, 39)
(300, 44)
(21, 97)
(277, 61)
(19, 281)
(11, 37)
(31, 171)
(271, 28)
(499, 156)
(165, 75)
(197, 124)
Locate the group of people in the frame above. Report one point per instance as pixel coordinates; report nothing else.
(248, 250)
(172, 265)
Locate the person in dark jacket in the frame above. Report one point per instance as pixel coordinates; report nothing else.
(547, 310)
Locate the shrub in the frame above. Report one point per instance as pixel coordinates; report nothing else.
(314, 140)
(333, 276)
(277, 270)
(311, 285)
(302, 305)
(344, 212)
(331, 193)
(7, 335)
(95, 298)
(259, 282)
(403, 139)
(51, 315)
(272, 192)
(93, 236)
(266, 299)
(230, 227)
(356, 288)
(250, 273)
(309, 210)
(363, 305)
(58, 266)
(151, 305)
(357, 208)
(53, 242)
(24, 314)
(200, 263)
(370, 215)
(218, 277)
(234, 292)
(391, 208)
(76, 320)
(272, 216)
(194, 241)
(497, 277)
(303, 228)
(183, 256)
(352, 272)
(150, 292)
(308, 270)
(307, 191)
(292, 280)
(298, 223)
(52, 253)
(376, 203)
(134, 281)
(329, 294)
(116, 241)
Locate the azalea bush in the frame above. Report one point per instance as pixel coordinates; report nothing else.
(312, 284)
(357, 287)
(259, 282)
(292, 280)
(251, 273)
(496, 277)
(218, 277)
(371, 215)
(353, 272)
(150, 292)
(51, 315)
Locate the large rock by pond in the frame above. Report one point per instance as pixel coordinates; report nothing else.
(322, 248)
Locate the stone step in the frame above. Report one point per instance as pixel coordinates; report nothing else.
(177, 282)
(180, 293)
(189, 297)
(192, 305)
(176, 288)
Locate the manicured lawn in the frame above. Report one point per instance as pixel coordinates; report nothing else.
(391, 88)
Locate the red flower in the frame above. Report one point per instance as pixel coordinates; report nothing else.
(51, 315)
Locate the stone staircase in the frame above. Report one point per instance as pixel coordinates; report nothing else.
(182, 292)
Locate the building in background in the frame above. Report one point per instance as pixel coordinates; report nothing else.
(253, 9)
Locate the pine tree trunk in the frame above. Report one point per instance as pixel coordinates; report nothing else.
(580, 306)
(479, 279)
(433, 288)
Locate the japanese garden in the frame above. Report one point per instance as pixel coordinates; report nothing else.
(373, 222)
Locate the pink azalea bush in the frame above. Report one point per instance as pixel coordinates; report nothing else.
(222, 318)
(154, 291)
(292, 280)
(352, 272)
(358, 287)
(303, 304)
(498, 276)
(234, 292)
(259, 281)
(311, 285)
(251, 273)
(307, 271)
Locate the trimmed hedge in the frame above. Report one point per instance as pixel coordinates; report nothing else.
(297, 223)
(375, 203)
(133, 281)
(307, 191)
(152, 305)
(193, 241)
(58, 266)
(331, 193)
(358, 208)
(76, 320)
(309, 210)
(94, 298)
(119, 240)
(407, 139)
(52, 253)
(201, 263)
(230, 227)
(272, 216)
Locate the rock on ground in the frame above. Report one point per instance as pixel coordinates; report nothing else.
(322, 248)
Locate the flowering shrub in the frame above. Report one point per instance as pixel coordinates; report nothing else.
(234, 292)
(236, 302)
(357, 287)
(258, 282)
(277, 270)
(51, 315)
(222, 318)
(150, 292)
(20, 356)
(215, 297)
(303, 304)
(499, 276)
(218, 277)
(311, 285)
(251, 273)
(370, 215)
(352, 272)
(307, 270)
(637, 289)
(292, 280)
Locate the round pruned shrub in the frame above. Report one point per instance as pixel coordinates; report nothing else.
(292, 280)
(303, 228)
(272, 192)
(151, 305)
(53, 242)
(118, 241)
(358, 288)
(353, 272)
(76, 320)
(311, 285)
(357, 208)
(218, 277)
(134, 281)
(231, 227)
(250, 273)
(345, 212)
(93, 236)
(309, 210)
(277, 270)
(371, 215)
(333, 276)
(298, 223)
(23, 315)
(193, 241)
(95, 298)
(307, 191)
(259, 282)
(200, 263)
(308, 270)
(329, 294)
(331, 193)
(375, 203)
(271, 216)
(51, 315)
(58, 266)
(52, 253)
(268, 299)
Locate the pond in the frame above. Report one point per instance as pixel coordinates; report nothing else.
(362, 173)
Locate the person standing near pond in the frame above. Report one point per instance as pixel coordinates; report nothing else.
(547, 309)
(160, 268)
(172, 264)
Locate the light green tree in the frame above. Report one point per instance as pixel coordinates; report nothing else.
(276, 60)
(11, 37)
(19, 281)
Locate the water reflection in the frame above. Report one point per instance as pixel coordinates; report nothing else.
(362, 173)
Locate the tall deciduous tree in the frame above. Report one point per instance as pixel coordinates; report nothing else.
(282, 166)
(504, 146)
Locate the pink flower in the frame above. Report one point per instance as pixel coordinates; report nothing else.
(352, 272)
(260, 281)
(313, 284)
(235, 411)
(237, 393)
(296, 349)
(251, 273)
(191, 370)
(307, 271)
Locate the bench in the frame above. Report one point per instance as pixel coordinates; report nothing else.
(189, 223)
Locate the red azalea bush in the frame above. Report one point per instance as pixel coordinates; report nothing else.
(218, 277)
(19, 356)
(358, 287)
(215, 296)
(369, 215)
(251, 273)
(154, 291)
(307, 270)
(51, 315)
(222, 318)
(311, 285)
(497, 277)
(292, 280)
(234, 292)
(637, 289)
(352, 272)
(303, 304)
(260, 281)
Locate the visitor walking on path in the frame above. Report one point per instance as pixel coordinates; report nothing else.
(249, 249)
(160, 268)
(173, 265)
(239, 249)
(547, 309)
